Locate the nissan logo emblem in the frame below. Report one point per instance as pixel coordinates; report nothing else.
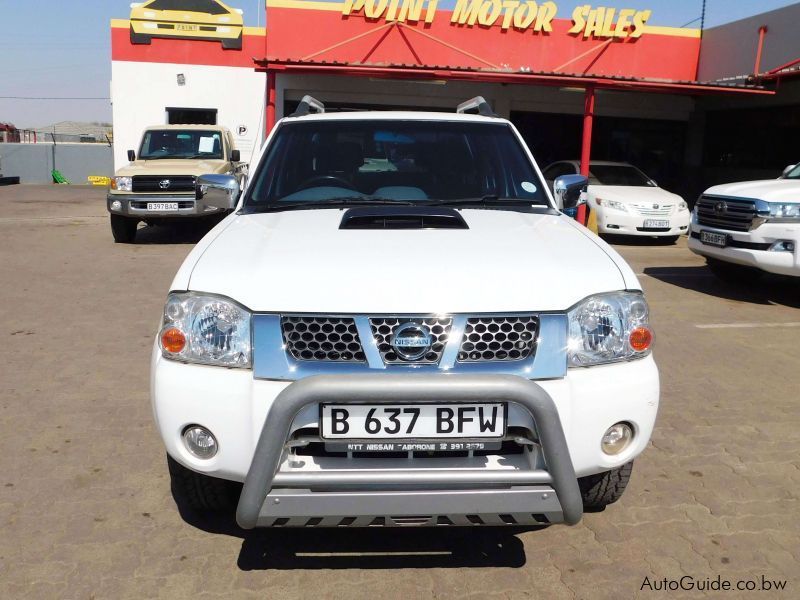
(411, 341)
(164, 184)
(720, 208)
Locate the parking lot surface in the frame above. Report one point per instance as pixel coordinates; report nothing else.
(85, 504)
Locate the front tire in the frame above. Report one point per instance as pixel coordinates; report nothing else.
(201, 493)
(234, 44)
(602, 489)
(733, 273)
(123, 229)
(140, 38)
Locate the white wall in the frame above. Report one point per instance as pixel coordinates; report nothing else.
(141, 92)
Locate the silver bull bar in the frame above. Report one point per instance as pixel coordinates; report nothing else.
(268, 494)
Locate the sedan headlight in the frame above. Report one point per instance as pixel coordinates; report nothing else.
(122, 184)
(612, 204)
(784, 211)
(608, 328)
(204, 329)
(682, 205)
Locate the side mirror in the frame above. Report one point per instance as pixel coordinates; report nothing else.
(131, 155)
(218, 191)
(787, 170)
(236, 156)
(567, 190)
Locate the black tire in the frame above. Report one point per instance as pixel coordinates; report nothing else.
(140, 38)
(602, 489)
(234, 44)
(201, 493)
(733, 273)
(123, 229)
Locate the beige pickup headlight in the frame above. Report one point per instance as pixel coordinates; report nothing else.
(122, 184)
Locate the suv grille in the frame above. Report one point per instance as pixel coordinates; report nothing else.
(153, 183)
(498, 338)
(726, 213)
(383, 329)
(322, 338)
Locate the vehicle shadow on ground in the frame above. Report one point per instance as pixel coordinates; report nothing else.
(368, 548)
(771, 289)
(635, 240)
(178, 233)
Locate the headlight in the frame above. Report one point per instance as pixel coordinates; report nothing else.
(608, 328)
(612, 204)
(123, 184)
(781, 211)
(682, 205)
(205, 329)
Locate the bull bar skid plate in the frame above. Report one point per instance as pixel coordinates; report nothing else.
(270, 497)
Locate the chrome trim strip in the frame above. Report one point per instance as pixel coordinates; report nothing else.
(548, 361)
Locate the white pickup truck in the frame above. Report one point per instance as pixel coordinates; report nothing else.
(751, 227)
(398, 326)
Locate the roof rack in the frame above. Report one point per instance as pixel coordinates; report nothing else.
(308, 105)
(478, 103)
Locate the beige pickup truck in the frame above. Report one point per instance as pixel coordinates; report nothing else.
(159, 184)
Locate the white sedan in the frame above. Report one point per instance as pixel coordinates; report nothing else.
(628, 202)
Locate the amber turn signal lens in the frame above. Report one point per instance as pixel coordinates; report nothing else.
(641, 338)
(173, 340)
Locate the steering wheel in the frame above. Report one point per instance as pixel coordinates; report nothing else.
(309, 183)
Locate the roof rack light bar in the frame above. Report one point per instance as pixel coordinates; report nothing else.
(308, 105)
(478, 103)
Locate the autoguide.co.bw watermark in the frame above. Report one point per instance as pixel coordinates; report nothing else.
(708, 584)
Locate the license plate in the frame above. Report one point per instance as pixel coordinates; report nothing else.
(181, 27)
(162, 206)
(714, 239)
(412, 421)
(656, 224)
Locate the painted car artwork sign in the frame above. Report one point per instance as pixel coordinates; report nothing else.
(209, 20)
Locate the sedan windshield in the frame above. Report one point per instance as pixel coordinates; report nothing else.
(619, 175)
(382, 161)
(794, 173)
(174, 143)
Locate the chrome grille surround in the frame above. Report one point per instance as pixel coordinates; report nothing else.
(498, 338)
(383, 329)
(322, 338)
(733, 214)
(663, 210)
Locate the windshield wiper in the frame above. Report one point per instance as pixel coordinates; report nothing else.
(489, 199)
(332, 202)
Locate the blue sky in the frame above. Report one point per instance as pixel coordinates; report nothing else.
(61, 48)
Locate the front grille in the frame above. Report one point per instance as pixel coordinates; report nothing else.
(726, 213)
(142, 204)
(383, 330)
(163, 184)
(322, 338)
(498, 338)
(649, 210)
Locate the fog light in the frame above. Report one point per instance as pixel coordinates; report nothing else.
(617, 438)
(783, 246)
(116, 205)
(200, 442)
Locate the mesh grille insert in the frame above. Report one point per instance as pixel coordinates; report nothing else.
(498, 338)
(322, 338)
(383, 330)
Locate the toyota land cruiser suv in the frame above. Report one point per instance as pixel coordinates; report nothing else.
(751, 227)
(160, 183)
(398, 326)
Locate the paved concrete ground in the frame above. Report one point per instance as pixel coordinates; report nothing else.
(85, 506)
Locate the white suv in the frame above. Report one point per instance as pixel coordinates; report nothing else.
(750, 227)
(397, 326)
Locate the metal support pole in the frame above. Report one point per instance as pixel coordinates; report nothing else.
(761, 32)
(586, 143)
(270, 120)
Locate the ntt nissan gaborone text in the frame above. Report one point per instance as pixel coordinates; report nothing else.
(398, 326)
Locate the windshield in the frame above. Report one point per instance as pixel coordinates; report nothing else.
(175, 143)
(381, 160)
(794, 173)
(619, 175)
(201, 6)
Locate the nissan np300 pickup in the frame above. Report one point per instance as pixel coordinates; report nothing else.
(397, 325)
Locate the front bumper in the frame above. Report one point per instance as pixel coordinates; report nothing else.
(614, 222)
(135, 205)
(234, 406)
(751, 248)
